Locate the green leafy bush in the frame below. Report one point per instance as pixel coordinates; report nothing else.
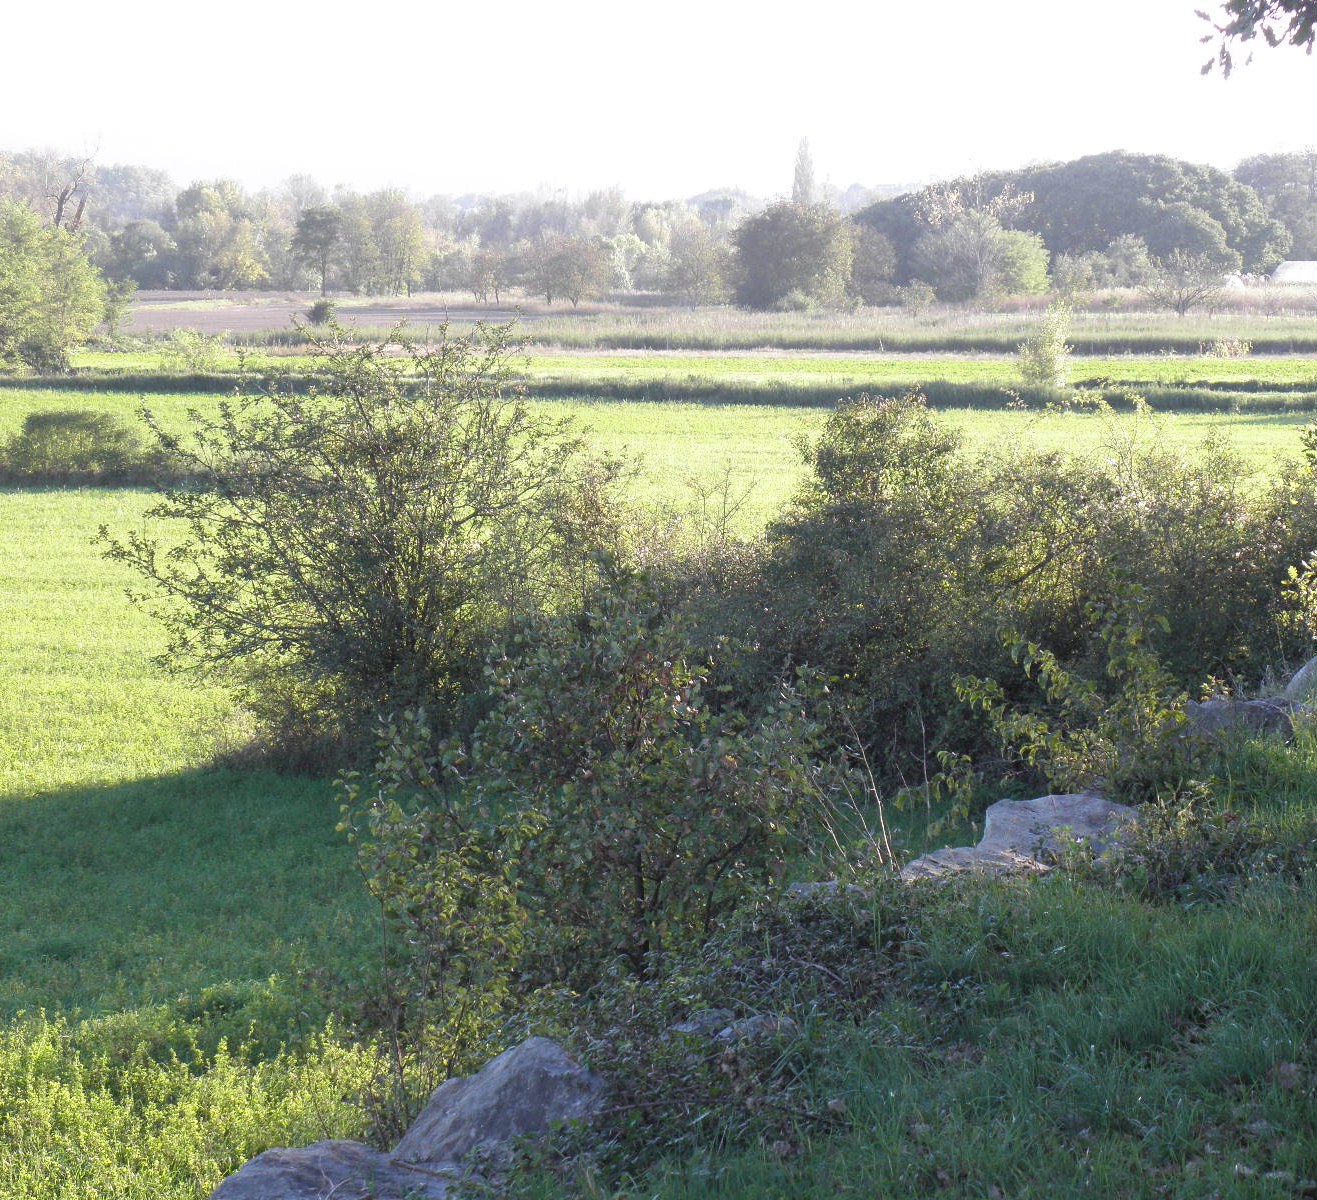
(355, 551)
(1190, 849)
(77, 446)
(1043, 357)
(1127, 739)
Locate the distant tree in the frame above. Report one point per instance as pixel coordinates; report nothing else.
(1082, 206)
(1184, 281)
(1180, 228)
(698, 266)
(874, 266)
(559, 266)
(1276, 21)
(399, 241)
(793, 252)
(972, 258)
(802, 185)
(143, 252)
(51, 297)
(218, 243)
(1287, 184)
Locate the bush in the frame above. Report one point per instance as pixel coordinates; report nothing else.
(359, 548)
(1043, 358)
(626, 813)
(1127, 740)
(191, 351)
(77, 446)
(322, 312)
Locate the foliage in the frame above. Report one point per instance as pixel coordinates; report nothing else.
(1190, 848)
(50, 295)
(451, 927)
(1128, 741)
(1083, 206)
(1043, 357)
(972, 257)
(1278, 21)
(322, 312)
(316, 241)
(192, 351)
(636, 813)
(353, 550)
(606, 791)
(77, 446)
(1183, 281)
(793, 248)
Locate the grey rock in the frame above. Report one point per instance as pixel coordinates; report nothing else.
(343, 1170)
(704, 1022)
(1302, 689)
(1025, 836)
(956, 860)
(525, 1090)
(1213, 717)
(762, 1025)
(1041, 828)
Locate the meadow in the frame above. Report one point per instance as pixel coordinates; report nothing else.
(178, 920)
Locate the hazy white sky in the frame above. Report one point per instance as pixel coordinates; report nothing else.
(662, 99)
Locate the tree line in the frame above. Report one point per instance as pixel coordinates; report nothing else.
(1103, 221)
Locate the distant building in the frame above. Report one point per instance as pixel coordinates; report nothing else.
(1295, 272)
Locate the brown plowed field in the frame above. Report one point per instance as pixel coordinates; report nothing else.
(243, 312)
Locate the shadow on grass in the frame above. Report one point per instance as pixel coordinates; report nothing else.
(161, 890)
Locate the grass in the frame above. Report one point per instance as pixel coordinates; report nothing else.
(159, 911)
(678, 446)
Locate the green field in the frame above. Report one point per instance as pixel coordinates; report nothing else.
(678, 445)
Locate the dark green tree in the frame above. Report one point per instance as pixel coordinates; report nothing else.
(316, 239)
(793, 253)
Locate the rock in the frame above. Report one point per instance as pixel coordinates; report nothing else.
(1212, 717)
(1303, 687)
(704, 1022)
(344, 1170)
(1045, 826)
(1024, 836)
(527, 1089)
(957, 859)
(763, 1025)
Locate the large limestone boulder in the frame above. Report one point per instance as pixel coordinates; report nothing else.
(1213, 717)
(526, 1090)
(1302, 689)
(344, 1170)
(1025, 836)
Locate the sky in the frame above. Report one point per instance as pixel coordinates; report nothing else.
(661, 99)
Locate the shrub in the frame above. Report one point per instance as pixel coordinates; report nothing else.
(1128, 740)
(322, 312)
(358, 548)
(191, 351)
(626, 813)
(1043, 358)
(76, 446)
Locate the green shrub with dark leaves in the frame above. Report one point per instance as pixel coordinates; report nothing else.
(77, 446)
(633, 810)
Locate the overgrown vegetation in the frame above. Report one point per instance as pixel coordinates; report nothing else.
(591, 835)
